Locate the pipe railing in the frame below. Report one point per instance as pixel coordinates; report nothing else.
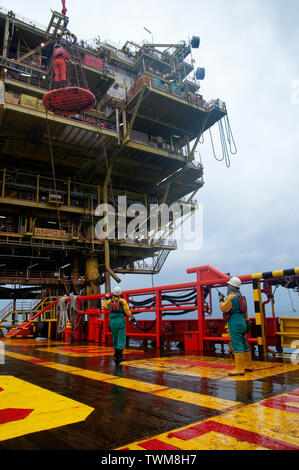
(160, 301)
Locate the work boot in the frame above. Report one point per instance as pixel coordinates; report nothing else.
(121, 357)
(240, 365)
(116, 355)
(248, 363)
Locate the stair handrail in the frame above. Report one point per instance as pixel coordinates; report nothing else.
(6, 310)
(21, 306)
(27, 323)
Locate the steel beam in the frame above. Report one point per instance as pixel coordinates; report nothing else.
(33, 51)
(137, 106)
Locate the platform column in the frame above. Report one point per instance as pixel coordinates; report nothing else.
(6, 38)
(92, 278)
(75, 271)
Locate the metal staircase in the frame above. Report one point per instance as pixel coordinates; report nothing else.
(25, 329)
(18, 307)
(21, 308)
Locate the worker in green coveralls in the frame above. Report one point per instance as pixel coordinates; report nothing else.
(118, 308)
(234, 310)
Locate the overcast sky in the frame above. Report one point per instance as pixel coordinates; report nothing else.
(250, 51)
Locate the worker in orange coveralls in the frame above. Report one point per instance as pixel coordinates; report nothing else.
(60, 58)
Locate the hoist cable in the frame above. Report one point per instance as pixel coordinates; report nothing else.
(54, 177)
(226, 136)
(223, 144)
(213, 149)
(292, 303)
(230, 137)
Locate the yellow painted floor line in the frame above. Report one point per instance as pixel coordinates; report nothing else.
(277, 424)
(261, 374)
(264, 369)
(197, 399)
(145, 387)
(250, 427)
(83, 351)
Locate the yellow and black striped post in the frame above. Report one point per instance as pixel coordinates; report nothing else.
(259, 318)
(258, 305)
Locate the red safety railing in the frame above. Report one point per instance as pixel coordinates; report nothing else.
(165, 301)
(159, 306)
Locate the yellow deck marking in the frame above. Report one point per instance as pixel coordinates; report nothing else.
(136, 385)
(145, 387)
(27, 342)
(216, 441)
(22, 357)
(198, 399)
(160, 365)
(93, 375)
(267, 422)
(278, 424)
(85, 352)
(51, 410)
(61, 367)
(210, 441)
(260, 374)
(272, 423)
(266, 369)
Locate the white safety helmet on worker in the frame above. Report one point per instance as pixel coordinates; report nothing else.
(235, 282)
(117, 291)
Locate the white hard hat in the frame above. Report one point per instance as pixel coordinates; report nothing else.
(235, 282)
(117, 291)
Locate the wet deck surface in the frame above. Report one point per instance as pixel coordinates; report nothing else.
(55, 396)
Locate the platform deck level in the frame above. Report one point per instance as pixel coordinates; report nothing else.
(62, 396)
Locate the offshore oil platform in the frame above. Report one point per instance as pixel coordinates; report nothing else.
(138, 140)
(83, 125)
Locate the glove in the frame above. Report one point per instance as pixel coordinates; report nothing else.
(133, 320)
(221, 297)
